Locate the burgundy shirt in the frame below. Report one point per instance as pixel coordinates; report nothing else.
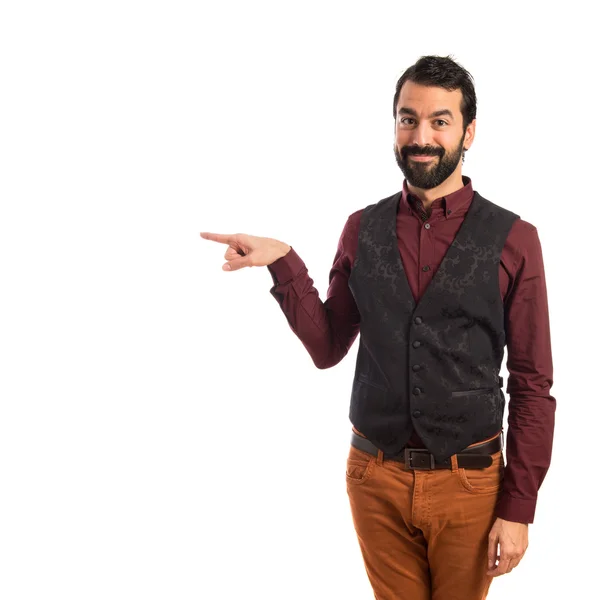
(328, 329)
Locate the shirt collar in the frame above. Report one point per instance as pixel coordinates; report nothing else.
(453, 204)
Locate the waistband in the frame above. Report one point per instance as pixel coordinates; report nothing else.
(474, 456)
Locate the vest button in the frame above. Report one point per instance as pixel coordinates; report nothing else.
(416, 344)
(417, 391)
(416, 367)
(416, 414)
(418, 320)
(427, 225)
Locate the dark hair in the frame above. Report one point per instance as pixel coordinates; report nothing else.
(442, 71)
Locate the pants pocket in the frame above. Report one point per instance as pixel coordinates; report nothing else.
(359, 466)
(484, 481)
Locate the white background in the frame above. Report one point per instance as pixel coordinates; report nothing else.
(163, 433)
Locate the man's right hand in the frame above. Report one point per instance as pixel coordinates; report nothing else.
(248, 250)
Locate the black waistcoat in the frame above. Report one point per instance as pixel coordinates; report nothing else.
(432, 365)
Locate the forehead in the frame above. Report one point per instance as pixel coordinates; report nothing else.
(427, 99)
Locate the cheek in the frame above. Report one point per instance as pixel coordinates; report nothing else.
(401, 138)
(448, 141)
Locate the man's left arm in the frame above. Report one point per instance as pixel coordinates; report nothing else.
(529, 362)
(531, 408)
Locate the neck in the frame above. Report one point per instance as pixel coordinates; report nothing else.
(452, 184)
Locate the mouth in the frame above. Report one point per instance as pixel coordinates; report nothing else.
(421, 158)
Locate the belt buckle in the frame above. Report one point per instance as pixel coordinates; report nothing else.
(408, 462)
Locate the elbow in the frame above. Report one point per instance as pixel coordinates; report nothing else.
(322, 365)
(330, 355)
(327, 362)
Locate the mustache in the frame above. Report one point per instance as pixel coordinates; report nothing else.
(421, 151)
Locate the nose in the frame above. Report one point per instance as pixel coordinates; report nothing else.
(421, 135)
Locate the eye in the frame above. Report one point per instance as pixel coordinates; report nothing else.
(404, 119)
(441, 122)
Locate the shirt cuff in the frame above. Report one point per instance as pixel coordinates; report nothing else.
(518, 510)
(287, 267)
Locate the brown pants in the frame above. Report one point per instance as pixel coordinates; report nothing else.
(423, 534)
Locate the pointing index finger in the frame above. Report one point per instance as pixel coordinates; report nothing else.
(223, 238)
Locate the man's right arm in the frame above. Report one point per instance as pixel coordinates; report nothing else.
(327, 329)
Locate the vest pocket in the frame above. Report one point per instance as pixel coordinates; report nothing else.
(363, 379)
(472, 392)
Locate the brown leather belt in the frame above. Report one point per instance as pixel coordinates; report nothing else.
(475, 457)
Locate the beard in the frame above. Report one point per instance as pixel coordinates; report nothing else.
(428, 175)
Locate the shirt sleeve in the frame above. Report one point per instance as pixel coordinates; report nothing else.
(531, 408)
(327, 329)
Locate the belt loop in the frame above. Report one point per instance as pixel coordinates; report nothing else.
(454, 462)
(379, 457)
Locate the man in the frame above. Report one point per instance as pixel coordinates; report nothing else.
(438, 280)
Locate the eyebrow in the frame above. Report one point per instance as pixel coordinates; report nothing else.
(437, 113)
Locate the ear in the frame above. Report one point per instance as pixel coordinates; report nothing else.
(470, 134)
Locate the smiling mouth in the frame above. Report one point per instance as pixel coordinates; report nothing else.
(421, 157)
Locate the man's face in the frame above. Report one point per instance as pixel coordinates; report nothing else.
(429, 134)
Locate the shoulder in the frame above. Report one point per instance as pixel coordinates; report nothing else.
(349, 237)
(523, 230)
(523, 235)
(523, 245)
(494, 210)
(355, 217)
